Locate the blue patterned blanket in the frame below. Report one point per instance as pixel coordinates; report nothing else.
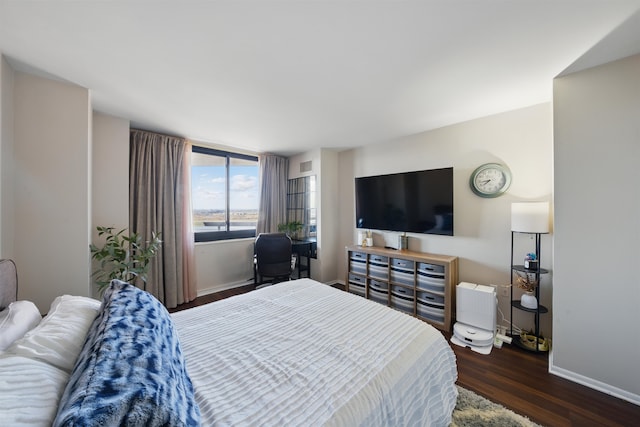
(131, 371)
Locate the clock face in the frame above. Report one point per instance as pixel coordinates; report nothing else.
(490, 180)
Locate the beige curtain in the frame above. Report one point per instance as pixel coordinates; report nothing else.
(274, 172)
(159, 200)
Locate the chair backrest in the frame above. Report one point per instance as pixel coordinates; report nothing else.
(273, 254)
(8, 282)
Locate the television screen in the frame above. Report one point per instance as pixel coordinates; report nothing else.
(414, 202)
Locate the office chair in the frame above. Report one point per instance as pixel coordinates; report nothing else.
(273, 257)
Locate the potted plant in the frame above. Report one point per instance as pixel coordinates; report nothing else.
(123, 256)
(291, 228)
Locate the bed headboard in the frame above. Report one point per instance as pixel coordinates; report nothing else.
(8, 283)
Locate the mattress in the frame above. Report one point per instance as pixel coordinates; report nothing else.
(304, 353)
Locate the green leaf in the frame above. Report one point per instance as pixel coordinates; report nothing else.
(123, 256)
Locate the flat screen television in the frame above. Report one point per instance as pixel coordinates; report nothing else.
(412, 202)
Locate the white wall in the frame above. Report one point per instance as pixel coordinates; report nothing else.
(110, 175)
(7, 234)
(110, 171)
(52, 125)
(324, 166)
(223, 264)
(597, 222)
(521, 139)
(328, 219)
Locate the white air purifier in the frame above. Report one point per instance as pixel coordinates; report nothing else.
(476, 317)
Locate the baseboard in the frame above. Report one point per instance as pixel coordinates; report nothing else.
(596, 385)
(335, 282)
(224, 287)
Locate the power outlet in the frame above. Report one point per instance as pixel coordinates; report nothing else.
(497, 342)
(505, 291)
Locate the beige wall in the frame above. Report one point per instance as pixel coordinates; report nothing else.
(110, 171)
(223, 265)
(328, 218)
(7, 215)
(597, 221)
(52, 125)
(521, 139)
(324, 167)
(109, 175)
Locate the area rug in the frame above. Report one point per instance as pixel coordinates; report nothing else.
(474, 410)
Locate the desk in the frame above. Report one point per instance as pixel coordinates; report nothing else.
(306, 249)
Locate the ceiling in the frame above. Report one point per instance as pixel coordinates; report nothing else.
(292, 76)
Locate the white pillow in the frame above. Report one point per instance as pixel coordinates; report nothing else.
(59, 337)
(30, 391)
(16, 320)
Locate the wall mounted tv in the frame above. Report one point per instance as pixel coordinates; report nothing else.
(413, 202)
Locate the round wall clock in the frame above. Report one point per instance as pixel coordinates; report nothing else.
(490, 180)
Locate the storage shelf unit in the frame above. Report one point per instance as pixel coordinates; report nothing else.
(416, 283)
(535, 274)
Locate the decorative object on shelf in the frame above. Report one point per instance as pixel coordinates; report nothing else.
(528, 282)
(528, 300)
(531, 261)
(531, 342)
(403, 241)
(368, 239)
(490, 180)
(123, 256)
(365, 238)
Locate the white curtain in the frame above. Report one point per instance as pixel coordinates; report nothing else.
(274, 171)
(159, 200)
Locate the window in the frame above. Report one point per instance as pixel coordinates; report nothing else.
(224, 194)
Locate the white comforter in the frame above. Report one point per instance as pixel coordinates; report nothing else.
(301, 353)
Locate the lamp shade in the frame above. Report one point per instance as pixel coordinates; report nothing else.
(530, 217)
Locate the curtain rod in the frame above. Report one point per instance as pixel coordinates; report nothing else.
(157, 133)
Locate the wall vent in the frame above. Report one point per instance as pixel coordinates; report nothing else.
(305, 166)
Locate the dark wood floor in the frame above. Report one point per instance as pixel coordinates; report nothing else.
(519, 380)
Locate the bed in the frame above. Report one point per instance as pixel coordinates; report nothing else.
(296, 353)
